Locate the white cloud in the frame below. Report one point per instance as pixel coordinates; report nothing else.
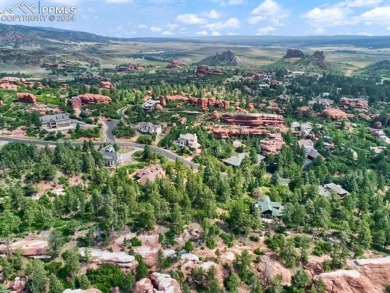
(190, 18)
(215, 33)
(211, 14)
(269, 11)
(156, 29)
(388, 28)
(172, 26)
(166, 33)
(359, 3)
(265, 30)
(142, 26)
(325, 17)
(230, 23)
(377, 16)
(229, 2)
(202, 33)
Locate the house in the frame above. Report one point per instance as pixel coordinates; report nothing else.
(150, 105)
(149, 174)
(149, 128)
(306, 144)
(236, 161)
(188, 140)
(56, 121)
(304, 128)
(328, 189)
(269, 209)
(324, 103)
(110, 156)
(379, 133)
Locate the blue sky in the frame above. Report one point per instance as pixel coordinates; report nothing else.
(186, 18)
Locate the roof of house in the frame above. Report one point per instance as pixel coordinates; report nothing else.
(236, 161)
(327, 189)
(267, 205)
(56, 117)
(145, 126)
(313, 154)
(150, 103)
(188, 136)
(109, 152)
(306, 143)
(149, 173)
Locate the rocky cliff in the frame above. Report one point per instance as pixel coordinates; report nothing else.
(224, 58)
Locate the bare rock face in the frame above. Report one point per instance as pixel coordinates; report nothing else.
(106, 85)
(365, 276)
(253, 120)
(335, 114)
(19, 285)
(158, 283)
(27, 98)
(224, 58)
(120, 259)
(28, 247)
(378, 125)
(215, 115)
(144, 286)
(294, 53)
(174, 64)
(94, 99)
(270, 268)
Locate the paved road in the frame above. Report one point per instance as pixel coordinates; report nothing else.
(160, 151)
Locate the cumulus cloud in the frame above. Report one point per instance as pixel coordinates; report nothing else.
(348, 12)
(265, 30)
(142, 26)
(172, 26)
(191, 18)
(202, 33)
(166, 33)
(215, 33)
(116, 1)
(230, 23)
(269, 11)
(211, 14)
(156, 29)
(229, 2)
(376, 16)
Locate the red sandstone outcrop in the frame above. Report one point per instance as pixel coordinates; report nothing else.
(19, 285)
(121, 259)
(358, 104)
(204, 70)
(270, 268)
(272, 144)
(28, 247)
(215, 115)
(27, 98)
(157, 283)
(82, 291)
(203, 103)
(94, 99)
(106, 85)
(335, 114)
(251, 108)
(174, 64)
(9, 86)
(364, 276)
(131, 67)
(253, 120)
(223, 133)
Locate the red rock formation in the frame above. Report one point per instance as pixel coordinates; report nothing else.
(8, 86)
(204, 70)
(358, 104)
(159, 107)
(251, 108)
(157, 283)
(27, 98)
(270, 268)
(144, 286)
(131, 67)
(253, 120)
(19, 285)
(1, 102)
(215, 115)
(272, 144)
(335, 114)
(94, 99)
(28, 247)
(223, 133)
(303, 109)
(174, 64)
(106, 85)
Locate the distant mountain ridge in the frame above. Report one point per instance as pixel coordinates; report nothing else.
(18, 35)
(226, 58)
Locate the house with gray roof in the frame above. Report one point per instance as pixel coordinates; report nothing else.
(328, 189)
(148, 128)
(236, 161)
(269, 209)
(150, 105)
(110, 156)
(56, 121)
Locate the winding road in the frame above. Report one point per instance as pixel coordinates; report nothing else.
(110, 138)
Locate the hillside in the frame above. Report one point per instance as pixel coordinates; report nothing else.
(297, 60)
(380, 70)
(17, 36)
(226, 58)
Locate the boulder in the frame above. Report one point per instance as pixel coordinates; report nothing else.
(27, 98)
(144, 286)
(215, 115)
(19, 285)
(120, 259)
(347, 281)
(28, 247)
(165, 283)
(335, 114)
(82, 291)
(270, 268)
(94, 99)
(378, 125)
